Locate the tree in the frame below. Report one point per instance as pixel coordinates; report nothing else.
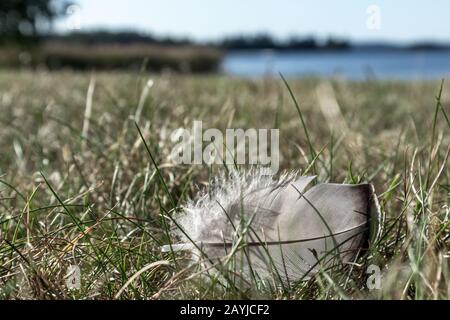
(25, 20)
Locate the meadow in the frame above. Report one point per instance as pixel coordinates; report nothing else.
(81, 185)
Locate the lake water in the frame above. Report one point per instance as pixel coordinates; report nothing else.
(353, 64)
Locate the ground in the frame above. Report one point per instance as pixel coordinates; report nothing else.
(78, 186)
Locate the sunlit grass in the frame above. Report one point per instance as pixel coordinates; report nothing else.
(102, 199)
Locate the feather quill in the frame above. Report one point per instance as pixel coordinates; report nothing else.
(283, 230)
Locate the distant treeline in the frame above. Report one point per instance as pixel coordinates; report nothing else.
(238, 42)
(99, 37)
(259, 42)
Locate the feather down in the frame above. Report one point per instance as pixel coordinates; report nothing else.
(280, 228)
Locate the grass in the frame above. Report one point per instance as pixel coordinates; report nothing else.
(78, 185)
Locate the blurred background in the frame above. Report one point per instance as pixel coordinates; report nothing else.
(353, 39)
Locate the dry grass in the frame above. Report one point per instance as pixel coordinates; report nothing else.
(78, 188)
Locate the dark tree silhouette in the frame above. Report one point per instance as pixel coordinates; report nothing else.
(25, 20)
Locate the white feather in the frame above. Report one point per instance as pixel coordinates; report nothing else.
(282, 231)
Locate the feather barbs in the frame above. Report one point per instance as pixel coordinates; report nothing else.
(278, 224)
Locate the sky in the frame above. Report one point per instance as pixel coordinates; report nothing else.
(357, 20)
